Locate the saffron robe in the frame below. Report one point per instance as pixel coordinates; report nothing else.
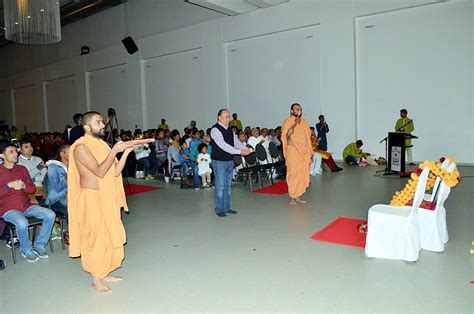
(96, 232)
(297, 157)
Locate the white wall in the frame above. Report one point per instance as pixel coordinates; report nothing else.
(61, 102)
(166, 75)
(261, 69)
(417, 59)
(339, 70)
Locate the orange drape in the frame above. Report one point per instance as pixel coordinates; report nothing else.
(297, 157)
(96, 232)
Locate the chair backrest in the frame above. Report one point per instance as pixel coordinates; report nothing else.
(440, 197)
(261, 152)
(251, 159)
(273, 151)
(444, 165)
(444, 190)
(420, 190)
(237, 160)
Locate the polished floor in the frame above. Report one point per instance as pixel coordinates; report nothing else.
(180, 257)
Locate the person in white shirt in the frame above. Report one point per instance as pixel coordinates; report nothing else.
(255, 139)
(142, 154)
(204, 165)
(35, 165)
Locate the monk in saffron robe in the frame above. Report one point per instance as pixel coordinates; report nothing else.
(95, 198)
(297, 150)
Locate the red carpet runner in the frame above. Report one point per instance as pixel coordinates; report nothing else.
(278, 188)
(131, 189)
(342, 231)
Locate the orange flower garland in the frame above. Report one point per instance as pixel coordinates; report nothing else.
(451, 179)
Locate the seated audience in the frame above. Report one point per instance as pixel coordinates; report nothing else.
(15, 207)
(142, 155)
(255, 139)
(195, 139)
(35, 165)
(184, 157)
(325, 156)
(56, 187)
(161, 150)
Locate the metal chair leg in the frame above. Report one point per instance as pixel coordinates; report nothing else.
(13, 244)
(61, 224)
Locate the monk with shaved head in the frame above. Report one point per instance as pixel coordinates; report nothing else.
(95, 198)
(297, 149)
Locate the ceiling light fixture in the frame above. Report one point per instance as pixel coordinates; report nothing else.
(32, 21)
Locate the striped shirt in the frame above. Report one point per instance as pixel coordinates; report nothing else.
(217, 136)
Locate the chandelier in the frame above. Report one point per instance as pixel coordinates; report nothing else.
(32, 21)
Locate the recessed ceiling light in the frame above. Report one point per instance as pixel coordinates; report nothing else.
(42, 10)
(16, 23)
(29, 17)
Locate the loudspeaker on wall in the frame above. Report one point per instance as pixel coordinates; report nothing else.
(130, 45)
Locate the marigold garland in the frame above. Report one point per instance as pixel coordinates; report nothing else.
(451, 179)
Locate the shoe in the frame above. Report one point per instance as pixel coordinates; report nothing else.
(230, 211)
(30, 256)
(221, 214)
(3, 264)
(207, 187)
(15, 241)
(40, 252)
(197, 187)
(412, 164)
(56, 234)
(167, 179)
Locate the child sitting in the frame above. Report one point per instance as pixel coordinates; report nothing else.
(184, 157)
(204, 162)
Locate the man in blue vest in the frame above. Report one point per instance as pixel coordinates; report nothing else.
(224, 145)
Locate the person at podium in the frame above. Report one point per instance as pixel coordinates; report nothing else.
(406, 125)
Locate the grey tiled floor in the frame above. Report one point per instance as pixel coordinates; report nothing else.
(181, 257)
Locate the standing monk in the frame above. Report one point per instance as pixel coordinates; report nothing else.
(297, 150)
(95, 196)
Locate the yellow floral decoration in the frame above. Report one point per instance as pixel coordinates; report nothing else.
(451, 179)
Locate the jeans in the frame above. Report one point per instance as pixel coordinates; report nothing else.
(195, 173)
(190, 167)
(146, 162)
(61, 206)
(20, 221)
(352, 160)
(223, 184)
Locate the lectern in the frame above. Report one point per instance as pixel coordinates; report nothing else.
(396, 151)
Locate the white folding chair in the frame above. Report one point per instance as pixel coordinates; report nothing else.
(393, 232)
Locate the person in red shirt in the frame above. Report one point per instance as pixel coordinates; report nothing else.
(15, 206)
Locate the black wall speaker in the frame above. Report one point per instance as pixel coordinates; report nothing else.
(130, 45)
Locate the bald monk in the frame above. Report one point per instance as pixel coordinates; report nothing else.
(297, 149)
(95, 196)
